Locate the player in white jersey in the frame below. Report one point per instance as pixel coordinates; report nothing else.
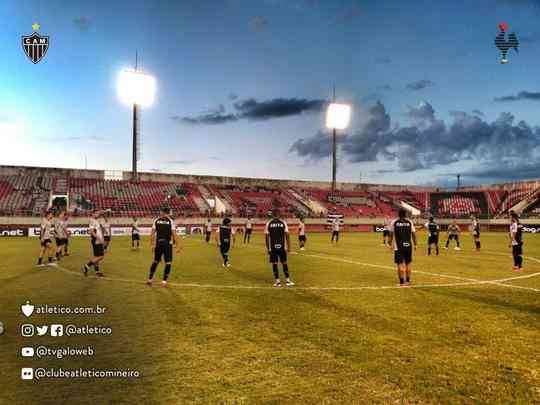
(475, 230)
(335, 230)
(248, 230)
(208, 230)
(45, 238)
(302, 234)
(60, 231)
(386, 231)
(98, 240)
(106, 226)
(135, 234)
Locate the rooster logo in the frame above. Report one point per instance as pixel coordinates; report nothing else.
(503, 44)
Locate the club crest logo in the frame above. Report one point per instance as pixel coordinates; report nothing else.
(35, 46)
(27, 309)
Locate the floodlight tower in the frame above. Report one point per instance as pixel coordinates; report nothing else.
(137, 89)
(338, 116)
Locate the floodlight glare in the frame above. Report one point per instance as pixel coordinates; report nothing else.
(338, 116)
(136, 88)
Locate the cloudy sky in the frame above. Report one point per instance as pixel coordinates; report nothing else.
(243, 85)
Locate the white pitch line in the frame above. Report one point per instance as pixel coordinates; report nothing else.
(246, 287)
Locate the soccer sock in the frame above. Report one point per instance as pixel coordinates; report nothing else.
(477, 243)
(167, 271)
(520, 261)
(50, 259)
(153, 268)
(408, 277)
(275, 271)
(448, 242)
(429, 251)
(286, 270)
(516, 261)
(225, 259)
(401, 280)
(437, 250)
(90, 263)
(40, 260)
(457, 241)
(96, 268)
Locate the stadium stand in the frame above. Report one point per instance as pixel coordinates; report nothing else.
(26, 191)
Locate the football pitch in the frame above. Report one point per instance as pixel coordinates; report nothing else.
(468, 331)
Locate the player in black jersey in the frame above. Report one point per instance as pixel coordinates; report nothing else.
(278, 243)
(162, 240)
(225, 238)
(475, 229)
(433, 235)
(516, 241)
(403, 240)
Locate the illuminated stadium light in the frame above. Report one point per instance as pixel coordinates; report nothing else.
(136, 88)
(338, 116)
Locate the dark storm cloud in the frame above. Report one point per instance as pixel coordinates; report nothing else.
(206, 119)
(82, 23)
(522, 95)
(233, 96)
(478, 112)
(252, 109)
(420, 85)
(314, 148)
(429, 142)
(508, 171)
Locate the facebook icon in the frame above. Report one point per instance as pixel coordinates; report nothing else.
(57, 330)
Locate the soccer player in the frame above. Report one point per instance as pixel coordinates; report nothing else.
(516, 241)
(45, 238)
(61, 235)
(403, 239)
(335, 230)
(302, 234)
(386, 231)
(453, 234)
(433, 235)
(97, 240)
(68, 233)
(208, 230)
(277, 244)
(135, 234)
(247, 230)
(162, 240)
(106, 225)
(224, 236)
(475, 227)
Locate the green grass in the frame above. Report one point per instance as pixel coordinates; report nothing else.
(203, 340)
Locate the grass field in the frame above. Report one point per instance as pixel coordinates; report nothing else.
(469, 332)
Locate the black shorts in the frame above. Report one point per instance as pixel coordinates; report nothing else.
(46, 242)
(454, 237)
(135, 236)
(476, 234)
(278, 255)
(98, 249)
(335, 233)
(107, 238)
(224, 248)
(386, 233)
(302, 238)
(403, 256)
(163, 250)
(433, 240)
(517, 250)
(61, 242)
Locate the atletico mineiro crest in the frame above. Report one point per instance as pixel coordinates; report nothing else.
(35, 46)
